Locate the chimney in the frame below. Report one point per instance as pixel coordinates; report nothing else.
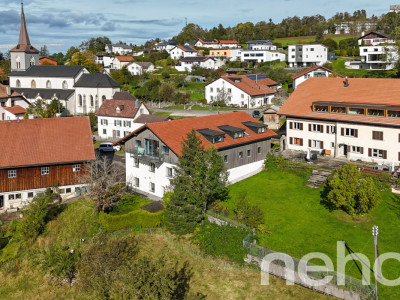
(137, 103)
(30, 116)
(256, 79)
(18, 120)
(8, 89)
(346, 82)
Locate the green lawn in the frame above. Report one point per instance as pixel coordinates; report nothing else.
(300, 224)
(304, 40)
(339, 67)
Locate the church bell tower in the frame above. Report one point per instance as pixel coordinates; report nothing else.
(24, 54)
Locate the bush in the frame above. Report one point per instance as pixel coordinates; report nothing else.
(165, 75)
(223, 241)
(249, 215)
(136, 218)
(220, 208)
(348, 190)
(273, 162)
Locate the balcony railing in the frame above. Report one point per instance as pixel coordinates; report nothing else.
(150, 154)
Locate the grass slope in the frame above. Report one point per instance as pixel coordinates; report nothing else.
(300, 224)
(216, 278)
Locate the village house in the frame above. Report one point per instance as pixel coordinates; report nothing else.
(206, 62)
(261, 45)
(260, 56)
(140, 67)
(40, 154)
(120, 61)
(152, 151)
(207, 43)
(307, 55)
(167, 46)
(271, 117)
(121, 49)
(182, 51)
(12, 104)
(105, 61)
(315, 71)
(228, 44)
(47, 61)
(355, 119)
(233, 54)
(242, 90)
(115, 118)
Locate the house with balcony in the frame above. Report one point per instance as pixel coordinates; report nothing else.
(254, 90)
(206, 62)
(165, 46)
(261, 45)
(260, 56)
(40, 154)
(307, 55)
(378, 51)
(233, 54)
(152, 151)
(354, 119)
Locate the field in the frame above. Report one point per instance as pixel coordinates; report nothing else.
(309, 39)
(214, 277)
(300, 224)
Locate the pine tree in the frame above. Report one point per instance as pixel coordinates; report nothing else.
(200, 178)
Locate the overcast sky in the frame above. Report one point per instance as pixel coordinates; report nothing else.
(133, 21)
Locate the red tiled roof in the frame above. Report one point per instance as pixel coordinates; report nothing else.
(310, 69)
(3, 92)
(45, 141)
(228, 42)
(378, 91)
(125, 58)
(15, 110)
(250, 87)
(127, 108)
(174, 132)
(48, 61)
(143, 119)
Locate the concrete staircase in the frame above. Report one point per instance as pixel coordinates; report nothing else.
(318, 178)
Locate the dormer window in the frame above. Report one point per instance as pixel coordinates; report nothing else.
(233, 132)
(256, 127)
(118, 110)
(213, 136)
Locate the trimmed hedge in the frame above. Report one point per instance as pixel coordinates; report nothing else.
(136, 218)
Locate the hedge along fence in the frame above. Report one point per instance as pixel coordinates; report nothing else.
(136, 218)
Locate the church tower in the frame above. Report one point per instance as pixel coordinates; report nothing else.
(24, 54)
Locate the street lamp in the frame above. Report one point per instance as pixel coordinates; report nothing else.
(377, 264)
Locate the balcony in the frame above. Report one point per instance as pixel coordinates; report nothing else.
(149, 155)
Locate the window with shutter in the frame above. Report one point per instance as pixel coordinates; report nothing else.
(369, 152)
(301, 142)
(342, 131)
(384, 156)
(322, 145)
(291, 141)
(290, 125)
(309, 127)
(309, 143)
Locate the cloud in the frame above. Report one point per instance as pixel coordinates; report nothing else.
(160, 22)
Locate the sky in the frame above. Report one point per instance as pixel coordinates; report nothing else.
(136, 21)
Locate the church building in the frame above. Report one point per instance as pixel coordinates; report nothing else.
(79, 91)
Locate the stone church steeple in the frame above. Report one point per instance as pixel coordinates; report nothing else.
(24, 54)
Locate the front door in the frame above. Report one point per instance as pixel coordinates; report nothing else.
(1, 201)
(345, 150)
(114, 133)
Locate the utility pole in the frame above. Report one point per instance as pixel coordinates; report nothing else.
(377, 269)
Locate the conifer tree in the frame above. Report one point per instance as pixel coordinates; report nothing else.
(199, 179)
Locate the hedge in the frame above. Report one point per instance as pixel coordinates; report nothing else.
(136, 218)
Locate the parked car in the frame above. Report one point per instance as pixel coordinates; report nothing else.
(106, 147)
(117, 148)
(256, 114)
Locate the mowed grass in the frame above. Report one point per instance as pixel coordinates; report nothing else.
(299, 224)
(308, 39)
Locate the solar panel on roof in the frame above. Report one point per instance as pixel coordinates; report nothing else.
(254, 77)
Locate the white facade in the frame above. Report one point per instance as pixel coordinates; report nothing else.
(118, 127)
(137, 69)
(347, 140)
(21, 61)
(261, 56)
(178, 53)
(206, 64)
(6, 115)
(90, 99)
(319, 72)
(118, 48)
(228, 45)
(221, 89)
(200, 44)
(307, 55)
(104, 60)
(378, 57)
(261, 45)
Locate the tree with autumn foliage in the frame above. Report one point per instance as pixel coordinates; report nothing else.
(86, 59)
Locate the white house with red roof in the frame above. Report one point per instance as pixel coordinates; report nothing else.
(242, 90)
(182, 51)
(12, 104)
(315, 71)
(120, 61)
(207, 43)
(228, 44)
(354, 119)
(152, 151)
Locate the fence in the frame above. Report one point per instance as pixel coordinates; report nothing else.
(353, 288)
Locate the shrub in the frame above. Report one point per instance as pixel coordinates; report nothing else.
(346, 189)
(219, 207)
(273, 162)
(165, 75)
(247, 214)
(136, 218)
(223, 241)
